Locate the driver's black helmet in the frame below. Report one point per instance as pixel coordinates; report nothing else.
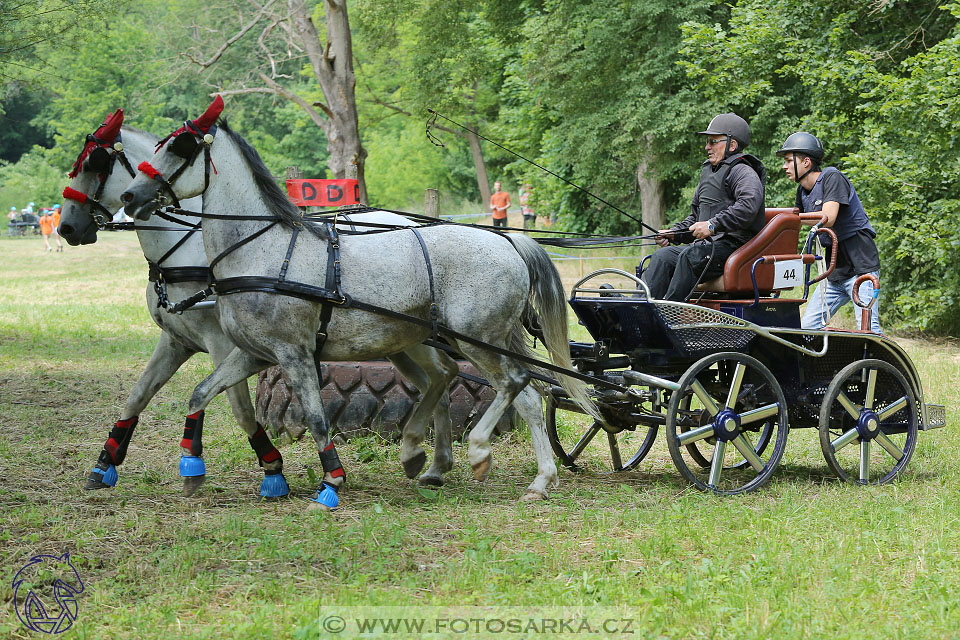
(729, 124)
(802, 142)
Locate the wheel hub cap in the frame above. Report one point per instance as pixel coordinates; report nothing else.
(726, 425)
(868, 425)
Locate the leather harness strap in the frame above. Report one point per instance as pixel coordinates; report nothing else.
(433, 299)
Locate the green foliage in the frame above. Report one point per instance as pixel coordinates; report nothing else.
(877, 82)
(31, 179)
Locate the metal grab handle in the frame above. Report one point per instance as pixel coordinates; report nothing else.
(576, 288)
(865, 315)
(856, 290)
(833, 255)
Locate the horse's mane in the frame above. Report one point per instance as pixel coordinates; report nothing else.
(277, 201)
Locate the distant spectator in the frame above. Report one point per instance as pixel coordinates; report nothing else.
(12, 215)
(499, 203)
(529, 216)
(47, 229)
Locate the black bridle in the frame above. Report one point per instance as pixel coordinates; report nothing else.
(100, 160)
(188, 143)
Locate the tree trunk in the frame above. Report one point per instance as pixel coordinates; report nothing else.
(651, 198)
(333, 68)
(480, 166)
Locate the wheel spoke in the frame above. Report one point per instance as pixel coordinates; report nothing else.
(871, 388)
(708, 402)
(892, 409)
(848, 404)
(735, 385)
(845, 439)
(759, 413)
(716, 465)
(745, 447)
(865, 461)
(584, 441)
(693, 435)
(889, 446)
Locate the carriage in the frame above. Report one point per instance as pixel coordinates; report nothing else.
(729, 373)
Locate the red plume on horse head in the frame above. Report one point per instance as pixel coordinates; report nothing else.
(111, 127)
(209, 116)
(105, 135)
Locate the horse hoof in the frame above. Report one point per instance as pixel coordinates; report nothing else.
(191, 484)
(326, 498)
(101, 478)
(430, 481)
(482, 469)
(533, 496)
(274, 486)
(414, 465)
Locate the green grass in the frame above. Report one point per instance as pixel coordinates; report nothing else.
(805, 557)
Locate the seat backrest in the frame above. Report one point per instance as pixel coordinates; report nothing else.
(779, 236)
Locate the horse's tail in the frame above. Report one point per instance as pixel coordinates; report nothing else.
(547, 306)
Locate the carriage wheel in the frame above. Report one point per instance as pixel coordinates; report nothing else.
(869, 404)
(577, 449)
(739, 403)
(691, 419)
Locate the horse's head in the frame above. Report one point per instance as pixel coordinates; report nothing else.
(174, 173)
(94, 193)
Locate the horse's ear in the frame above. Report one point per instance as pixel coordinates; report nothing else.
(210, 116)
(110, 128)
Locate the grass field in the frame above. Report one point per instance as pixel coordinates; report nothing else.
(805, 557)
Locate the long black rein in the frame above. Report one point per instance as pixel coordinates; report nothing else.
(331, 294)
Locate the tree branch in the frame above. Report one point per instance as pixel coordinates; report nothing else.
(306, 106)
(226, 45)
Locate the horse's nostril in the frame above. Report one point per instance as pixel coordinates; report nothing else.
(65, 229)
(127, 197)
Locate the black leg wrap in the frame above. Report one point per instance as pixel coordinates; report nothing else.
(330, 462)
(193, 434)
(115, 449)
(264, 449)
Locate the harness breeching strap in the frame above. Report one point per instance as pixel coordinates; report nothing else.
(433, 300)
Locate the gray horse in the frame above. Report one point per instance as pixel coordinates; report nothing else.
(482, 285)
(175, 249)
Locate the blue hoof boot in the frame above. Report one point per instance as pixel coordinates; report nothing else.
(100, 478)
(191, 466)
(274, 486)
(327, 496)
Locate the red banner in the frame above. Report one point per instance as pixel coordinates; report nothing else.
(323, 193)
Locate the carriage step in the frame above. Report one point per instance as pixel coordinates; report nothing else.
(936, 416)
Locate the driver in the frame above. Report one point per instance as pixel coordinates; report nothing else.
(727, 210)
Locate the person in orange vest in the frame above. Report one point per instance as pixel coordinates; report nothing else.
(56, 226)
(48, 228)
(499, 203)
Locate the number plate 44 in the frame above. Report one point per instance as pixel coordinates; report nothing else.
(787, 274)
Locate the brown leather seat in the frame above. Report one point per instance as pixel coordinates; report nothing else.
(779, 236)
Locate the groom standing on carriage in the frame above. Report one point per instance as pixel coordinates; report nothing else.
(727, 210)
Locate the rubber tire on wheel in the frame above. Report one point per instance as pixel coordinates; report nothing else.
(891, 388)
(738, 479)
(568, 456)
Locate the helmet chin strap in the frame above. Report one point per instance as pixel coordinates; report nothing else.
(796, 170)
